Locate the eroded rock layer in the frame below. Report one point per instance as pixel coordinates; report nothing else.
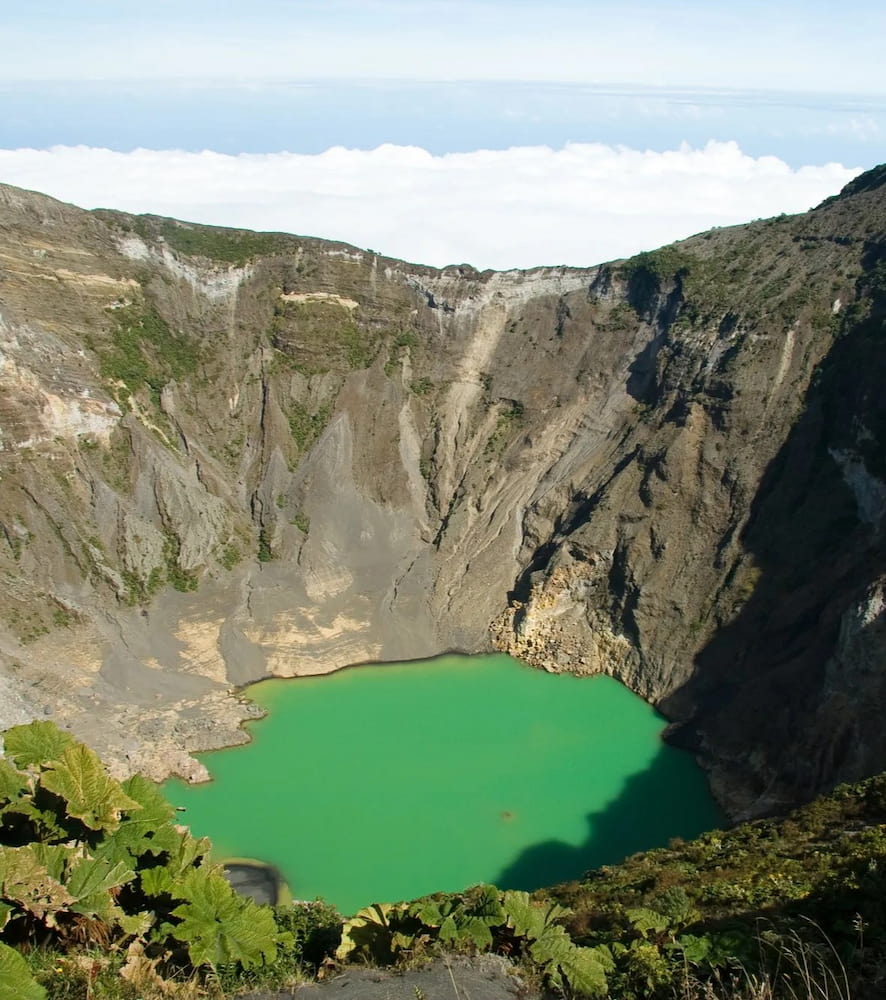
(225, 455)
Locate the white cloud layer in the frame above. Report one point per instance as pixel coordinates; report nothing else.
(519, 207)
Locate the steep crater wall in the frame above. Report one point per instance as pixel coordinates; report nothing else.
(225, 455)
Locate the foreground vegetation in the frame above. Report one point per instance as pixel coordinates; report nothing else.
(103, 896)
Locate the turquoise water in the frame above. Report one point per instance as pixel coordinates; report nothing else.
(388, 782)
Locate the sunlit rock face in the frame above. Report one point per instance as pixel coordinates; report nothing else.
(228, 455)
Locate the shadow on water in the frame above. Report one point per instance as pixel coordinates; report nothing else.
(666, 800)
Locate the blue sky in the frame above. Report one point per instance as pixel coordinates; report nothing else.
(743, 109)
(812, 45)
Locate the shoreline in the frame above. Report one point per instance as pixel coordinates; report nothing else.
(201, 775)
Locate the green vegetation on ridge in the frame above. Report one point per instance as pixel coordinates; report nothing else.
(216, 243)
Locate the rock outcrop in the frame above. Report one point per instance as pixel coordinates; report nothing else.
(226, 455)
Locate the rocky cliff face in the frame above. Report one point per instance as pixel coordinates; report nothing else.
(225, 455)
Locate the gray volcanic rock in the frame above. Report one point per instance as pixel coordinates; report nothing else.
(483, 977)
(227, 455)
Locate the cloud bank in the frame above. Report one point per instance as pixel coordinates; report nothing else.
(519, 207)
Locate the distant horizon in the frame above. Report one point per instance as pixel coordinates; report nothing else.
(492, 131)
(312, 115)
(615, 84)
(793, 43)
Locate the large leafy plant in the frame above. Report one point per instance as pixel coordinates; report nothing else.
(84, 857)
(480, 919)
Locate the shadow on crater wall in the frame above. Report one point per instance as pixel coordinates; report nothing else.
(791, 692)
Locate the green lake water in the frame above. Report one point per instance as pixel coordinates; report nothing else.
(388, 782)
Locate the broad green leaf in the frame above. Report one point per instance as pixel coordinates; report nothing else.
(431, 912)
(158, 882)
(25, 881)
(552, 912)
(448, 931)
(48, 824)
(130, 843)
(553, 945)
(38, 742)
(695, 949)
(55, 858)
(162, 932)
(220, 927)
(714, 949)
(6, 912)
(476, 930)
(92, 796)
(552, 950)
(559, 956)
(113, 850)
(400, 942)
(91, 876)
(585, 971)
(99, 905)
(485, 902)
(13, 784)
(378, 913)
(526, 919)
(646, 920)
(186, 853)
(154, 807)
(369, 930)
(604, 956)
(16, 981)
(148, 830)
(137, 924)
